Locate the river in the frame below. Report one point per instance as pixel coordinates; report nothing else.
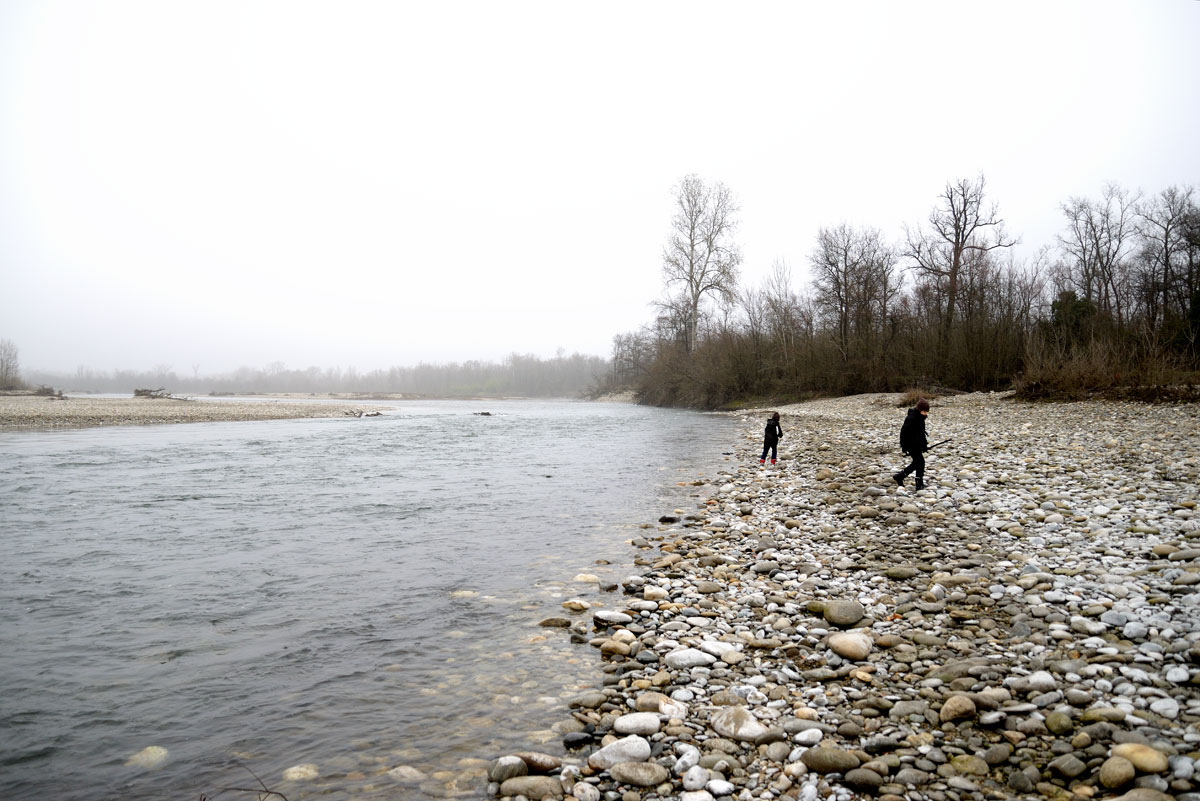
(186, 607)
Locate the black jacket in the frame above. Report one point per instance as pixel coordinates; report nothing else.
(773, 432)
(912, 433)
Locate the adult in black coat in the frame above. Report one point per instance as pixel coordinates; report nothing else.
(914, 443)
(771, 437)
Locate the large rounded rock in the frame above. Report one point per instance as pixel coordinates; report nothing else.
(582, 791)
(829, 760)
(589, 700)
(639, 774)
(696, 777)
(532, 787)
(685, 658)
(627, 749)
(850, 645)
(862, 779)
(663, 705)
(1143, 757)
(957, 707)
(969, 765)
(844, 613)
(507, 767)
(737, 723)
(1116, 771)
(1145, 794)
(539, 762)
(612, 618)
(407, 774)
(149, 757)
(637, 723)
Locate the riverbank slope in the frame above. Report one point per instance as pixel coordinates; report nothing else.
(1027, 626)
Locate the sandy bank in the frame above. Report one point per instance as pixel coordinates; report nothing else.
(26, 412)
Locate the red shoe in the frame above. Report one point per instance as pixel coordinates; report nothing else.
(762, 461)
(772, 461)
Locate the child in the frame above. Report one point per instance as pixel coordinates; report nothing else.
(914, 443)
(771, 438)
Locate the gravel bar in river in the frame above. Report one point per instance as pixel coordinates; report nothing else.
(26, 412)
(1027, 626)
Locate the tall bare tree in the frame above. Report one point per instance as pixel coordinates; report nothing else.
(854, 284)
(783, 313)
(700, 258)
(960, 225)
(1166, 285)
(1097, 243)
(10, 365)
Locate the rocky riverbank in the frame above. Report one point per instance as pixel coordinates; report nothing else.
(1027, 626)
(39, 412)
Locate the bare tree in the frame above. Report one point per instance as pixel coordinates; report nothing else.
(782, 313)
(1097, 242)
(10, 365)
(958, 226)
(1166, 285)
(854, 284)
(700, 258)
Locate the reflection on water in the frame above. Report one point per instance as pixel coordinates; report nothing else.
(357, 596)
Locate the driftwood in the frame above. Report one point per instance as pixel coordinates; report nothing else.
(362, 413)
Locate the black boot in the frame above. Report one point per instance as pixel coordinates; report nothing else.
(898, 478)
(920, 483)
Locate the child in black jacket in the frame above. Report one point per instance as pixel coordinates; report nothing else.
(914, 443)
(771, 437)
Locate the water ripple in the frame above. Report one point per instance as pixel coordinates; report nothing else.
(358, 596)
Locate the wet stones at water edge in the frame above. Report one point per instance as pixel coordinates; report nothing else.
(1027, 626)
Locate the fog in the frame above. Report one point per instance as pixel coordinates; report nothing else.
(208, 186)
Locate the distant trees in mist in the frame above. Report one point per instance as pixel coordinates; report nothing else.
(1114, 302)
(517, 375)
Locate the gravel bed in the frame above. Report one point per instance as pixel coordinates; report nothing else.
(1026, 626)
(27, 412)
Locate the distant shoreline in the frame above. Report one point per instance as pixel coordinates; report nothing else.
(39, 412)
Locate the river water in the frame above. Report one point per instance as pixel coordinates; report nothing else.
(357, 595)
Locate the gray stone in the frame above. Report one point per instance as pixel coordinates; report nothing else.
(1116, 771)
(627, 749)
(644, 723)
(956, 708)
(852, 645)
(829, 760)
(862, 779)
(639, 774)
(1068, 765)
(507, 767)
(737, 723)
(532, 787)
(684, 658)
(844, 613)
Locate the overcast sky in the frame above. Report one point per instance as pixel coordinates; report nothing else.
(381, 183)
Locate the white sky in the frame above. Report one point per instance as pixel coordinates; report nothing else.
(380, 183)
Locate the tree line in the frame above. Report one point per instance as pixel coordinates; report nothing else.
(1112, 306)
(517, 375)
